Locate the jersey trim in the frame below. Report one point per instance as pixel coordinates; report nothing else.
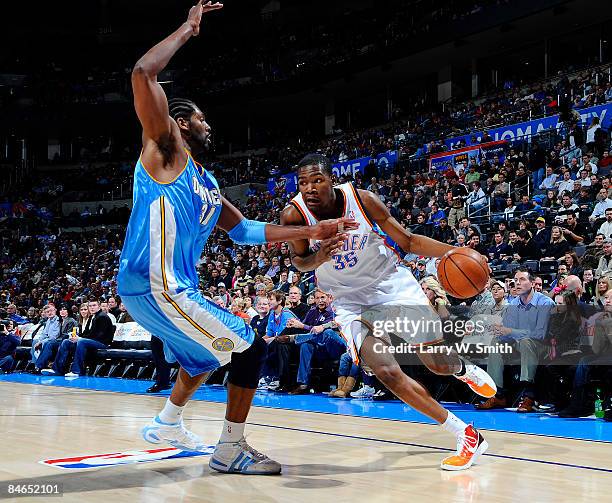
(159, 181)
(386, 240)
(375, 227)
(361, 206)
(166, 241)
(199, 167)
(345, 202)
(162, 212)
(186, 316)
(297, 207)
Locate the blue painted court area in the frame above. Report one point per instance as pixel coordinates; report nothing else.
(499, 420)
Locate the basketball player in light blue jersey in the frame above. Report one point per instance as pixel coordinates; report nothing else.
(177, 204)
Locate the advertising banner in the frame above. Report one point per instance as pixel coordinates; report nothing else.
(131, 332)
(529, 128)
(288, 183)
(460, 158)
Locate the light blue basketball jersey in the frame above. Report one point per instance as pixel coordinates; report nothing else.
(167, 231)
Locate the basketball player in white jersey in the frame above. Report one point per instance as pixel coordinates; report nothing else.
(368, 285)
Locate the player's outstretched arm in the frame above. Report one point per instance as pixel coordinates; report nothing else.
(414, 243)
(149, 98)
(243, 231)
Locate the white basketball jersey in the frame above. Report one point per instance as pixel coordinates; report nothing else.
(367, 257)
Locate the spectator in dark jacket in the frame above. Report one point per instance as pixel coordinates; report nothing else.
(124, 316)
(443, 232)
(542, 235)
(526, 248)
(259, 322)
(67, 324)
(8, 343)
(498, 250)
(295, 304)
(99, 336)
(557, 246)
(316, 336)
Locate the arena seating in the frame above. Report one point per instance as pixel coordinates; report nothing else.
(47, 263)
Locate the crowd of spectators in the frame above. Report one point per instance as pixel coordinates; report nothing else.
(562, 231)
(415, 132)
(516, 103)
(422, 129)
(549, 209)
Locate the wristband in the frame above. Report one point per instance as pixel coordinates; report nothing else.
(248, 232)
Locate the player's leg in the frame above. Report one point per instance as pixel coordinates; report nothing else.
(450, 363)
(383, 364)
(167, 426)
(470, 443)
(186, 386)
(202, 337)
(196, 363)
(232, 453)
(426, 334)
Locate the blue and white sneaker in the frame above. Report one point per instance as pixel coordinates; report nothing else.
(175, 435)
(264, 382)
(240, 457)
(365, 392)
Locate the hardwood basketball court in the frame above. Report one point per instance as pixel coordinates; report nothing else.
(325, 457)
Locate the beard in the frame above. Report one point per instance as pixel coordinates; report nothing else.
(204, 145)
(200, 144)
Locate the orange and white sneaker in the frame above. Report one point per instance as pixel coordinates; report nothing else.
(470, 446)
(478, 380)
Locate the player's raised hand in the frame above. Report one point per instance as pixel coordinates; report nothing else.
(329, 228)
(195, 14)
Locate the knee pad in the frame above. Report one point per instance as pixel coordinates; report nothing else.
(246, 366)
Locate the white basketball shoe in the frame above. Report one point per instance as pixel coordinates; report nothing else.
(175, 435)
(478, 380)
(240, 457)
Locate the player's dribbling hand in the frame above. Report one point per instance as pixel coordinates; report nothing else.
(329, 228)
(195, 14)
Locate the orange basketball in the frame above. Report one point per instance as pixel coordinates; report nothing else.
(463, 273)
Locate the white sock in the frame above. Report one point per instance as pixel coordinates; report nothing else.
(454, 425)
(232, 432)
(171, 414)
